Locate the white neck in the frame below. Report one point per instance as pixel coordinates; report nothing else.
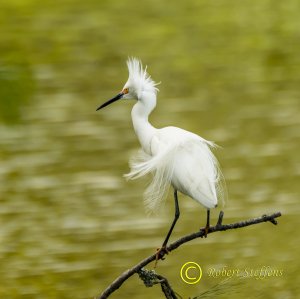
(139, 114)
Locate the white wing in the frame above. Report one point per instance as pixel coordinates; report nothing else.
(197, 173)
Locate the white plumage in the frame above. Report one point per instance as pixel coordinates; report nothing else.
(174, 156)
(183, 160)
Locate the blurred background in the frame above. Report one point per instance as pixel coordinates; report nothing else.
(230, 72)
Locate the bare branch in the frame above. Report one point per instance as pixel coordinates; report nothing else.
(218, 227)
(150, 278)
(166, 288)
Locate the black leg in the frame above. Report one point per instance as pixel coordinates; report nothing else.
(161, 251)
(177, 214)
(207, 222)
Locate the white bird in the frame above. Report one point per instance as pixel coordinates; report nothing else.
(174, 156)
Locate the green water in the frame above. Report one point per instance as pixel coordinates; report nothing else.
(230, 72)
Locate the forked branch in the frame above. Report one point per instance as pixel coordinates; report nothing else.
(218, 227)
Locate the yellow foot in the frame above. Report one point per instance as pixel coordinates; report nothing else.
(158, 252)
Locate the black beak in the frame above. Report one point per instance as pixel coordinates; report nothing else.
(116, 98)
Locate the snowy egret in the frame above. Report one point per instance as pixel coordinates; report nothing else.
(174, 156)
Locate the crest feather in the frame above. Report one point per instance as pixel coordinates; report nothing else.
(139, 79)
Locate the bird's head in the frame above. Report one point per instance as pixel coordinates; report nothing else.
(138, 83)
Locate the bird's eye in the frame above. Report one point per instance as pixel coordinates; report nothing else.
(126, 90)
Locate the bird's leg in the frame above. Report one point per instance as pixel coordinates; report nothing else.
(207, 223)
(164, 245)
(177, 214)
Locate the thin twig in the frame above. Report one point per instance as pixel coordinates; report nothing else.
(218, 227)
(220, 220)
